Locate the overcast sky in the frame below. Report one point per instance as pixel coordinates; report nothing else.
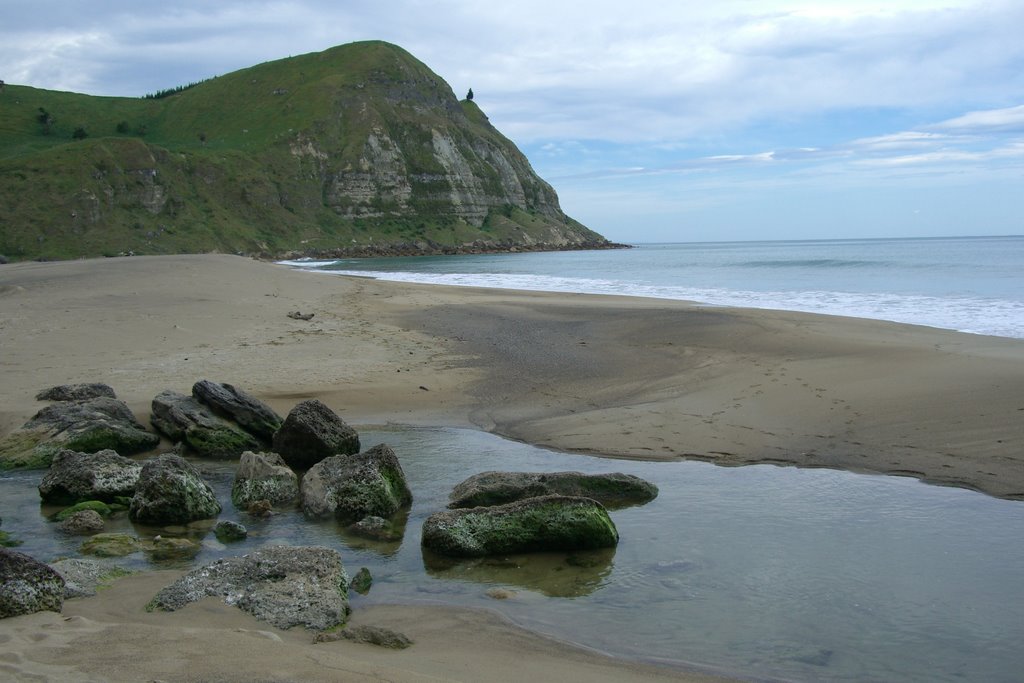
(655, 121)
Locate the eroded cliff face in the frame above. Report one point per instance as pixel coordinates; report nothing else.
(346, 151)
(402, 145)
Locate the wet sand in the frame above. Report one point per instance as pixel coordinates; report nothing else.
(610, 376)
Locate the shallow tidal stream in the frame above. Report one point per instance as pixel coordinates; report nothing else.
(763, 572)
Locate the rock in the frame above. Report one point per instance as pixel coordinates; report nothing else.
(75, 476)
(183, 419)
(27, 585)
(284, 585)
(260, 508)
(312, 432)
(371, 635)
(83, 577)
(299, 315)
(87, 426)
(248, 412)
(376, 529)
(170, 491)
(97, 506)
(83, 522)
(168, 548)
(362, 581)
(264, 476)
(534, 524)
(498, 488)
(351, 487)
(75, 392)
(227, 531)
(500, 593)
(111, 545)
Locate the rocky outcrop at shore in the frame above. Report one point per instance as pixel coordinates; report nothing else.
(497, 488)
(76, 392)
(531, 525)
(27, 585)
(74, 477)
(263, 476)
(312, 432)
(170, 490)
(237, 405)
(285, 586)
(184, 419)
(88, 426)
(351, 487)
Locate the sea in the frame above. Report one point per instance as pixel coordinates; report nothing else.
(969, 284)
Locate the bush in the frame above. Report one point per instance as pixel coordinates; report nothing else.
(80, 133)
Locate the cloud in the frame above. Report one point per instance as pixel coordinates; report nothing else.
(1010, 119)
(645, 71)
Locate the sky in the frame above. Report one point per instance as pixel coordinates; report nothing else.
(654, 121)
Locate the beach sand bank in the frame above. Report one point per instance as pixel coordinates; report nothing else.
(605, 375)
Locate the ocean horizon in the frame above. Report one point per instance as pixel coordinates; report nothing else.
(968, 284)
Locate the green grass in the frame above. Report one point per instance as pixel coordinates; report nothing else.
(247, 162)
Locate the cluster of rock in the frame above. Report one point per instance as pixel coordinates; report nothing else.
(516, 512)
(86, 436)
(216, 421)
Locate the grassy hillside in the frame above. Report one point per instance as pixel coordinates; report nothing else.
(357, 148)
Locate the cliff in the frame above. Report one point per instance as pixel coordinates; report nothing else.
(359, 150)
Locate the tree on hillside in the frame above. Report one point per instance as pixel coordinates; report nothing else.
(46, 119)
(469, 95)
(80, 133)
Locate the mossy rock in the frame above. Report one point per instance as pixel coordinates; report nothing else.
(8, 541)
(27, 450)
(227, 531)
(352, 487)
(222, 443)
(613, 490)
(98, 506)
(111, 545)
(545, 523)
(124, 441)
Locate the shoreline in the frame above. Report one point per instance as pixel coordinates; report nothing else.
(623, 377)
(608, 375)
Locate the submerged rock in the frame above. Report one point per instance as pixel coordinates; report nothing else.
(227, 531)
(76, 392)
(312, 432)
(83, 522)
(75, 476)
(171, 491)
(377, 529)
(284, 585)
(534, 524)
(111, 545)
(27, 585)
(87, 426)
(184, 420)
(97, 506)
(362, 581)
(83, 577)
(497, 488)
(263, 476)
(251, 414)
(351, 487)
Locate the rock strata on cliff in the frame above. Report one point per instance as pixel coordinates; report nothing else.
(359, 149)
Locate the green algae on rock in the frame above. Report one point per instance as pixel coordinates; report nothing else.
(497, 488)
(534, 524)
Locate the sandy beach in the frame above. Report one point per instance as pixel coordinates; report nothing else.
(612, 376)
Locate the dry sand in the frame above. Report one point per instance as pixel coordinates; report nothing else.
(605, 375)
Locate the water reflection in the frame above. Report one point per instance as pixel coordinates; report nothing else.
(556, 575)
(764, 571)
